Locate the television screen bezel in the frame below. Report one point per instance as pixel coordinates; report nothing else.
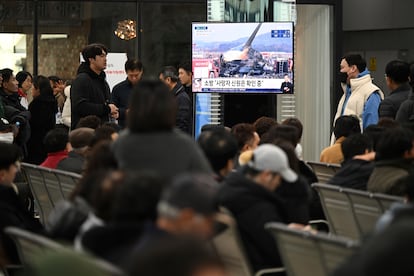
(244, 91)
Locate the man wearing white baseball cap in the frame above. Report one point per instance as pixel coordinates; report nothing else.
(272, 159)
(249, 195)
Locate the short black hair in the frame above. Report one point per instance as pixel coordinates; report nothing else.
(288, 133)
(91, 121)
(93, 50)
(394, 142)
(263, 124)
(6, 73)
(152, 107)
(55, 79)
(374, 132)
(357, 60)
(243, 133)
(170, 72)
(196, 191)
(186, 66)
(346, 125)
(100, 157)
(219, 146)
(398, 71)
(22, 76)
(10, 153)
(138, 197)
(296, 123)
(356, 144)
(102, 133)
(133, 64)
(56, 140)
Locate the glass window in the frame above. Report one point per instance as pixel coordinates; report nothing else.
(163, 33)
(166, 33)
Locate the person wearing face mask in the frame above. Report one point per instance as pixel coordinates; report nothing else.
(361, 97)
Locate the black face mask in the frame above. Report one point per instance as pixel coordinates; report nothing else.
(343, 77)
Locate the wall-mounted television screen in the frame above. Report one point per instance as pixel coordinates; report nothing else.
(243, 57)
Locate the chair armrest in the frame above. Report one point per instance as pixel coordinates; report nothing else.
(270, 270)
(318, 222)
(12, 269)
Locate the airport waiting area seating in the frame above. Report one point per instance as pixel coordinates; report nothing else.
(304, 253)
(352, 213)
(229, 247)
(31, 247)
(48, 186)
(324, 171)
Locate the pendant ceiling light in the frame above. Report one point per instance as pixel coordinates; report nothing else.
(126, 30)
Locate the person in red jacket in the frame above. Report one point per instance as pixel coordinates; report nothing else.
(57, 146)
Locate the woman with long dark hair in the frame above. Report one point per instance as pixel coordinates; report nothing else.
(43, 111)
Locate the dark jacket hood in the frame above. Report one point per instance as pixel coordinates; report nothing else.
(85, 68)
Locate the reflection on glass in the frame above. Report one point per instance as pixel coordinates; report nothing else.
(164, 32)
(167, 40)
(284, 10)
(246, 10)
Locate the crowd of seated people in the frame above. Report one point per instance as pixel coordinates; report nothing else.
(151, 192)
(153, 182)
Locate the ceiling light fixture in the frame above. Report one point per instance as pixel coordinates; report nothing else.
(127, 29)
